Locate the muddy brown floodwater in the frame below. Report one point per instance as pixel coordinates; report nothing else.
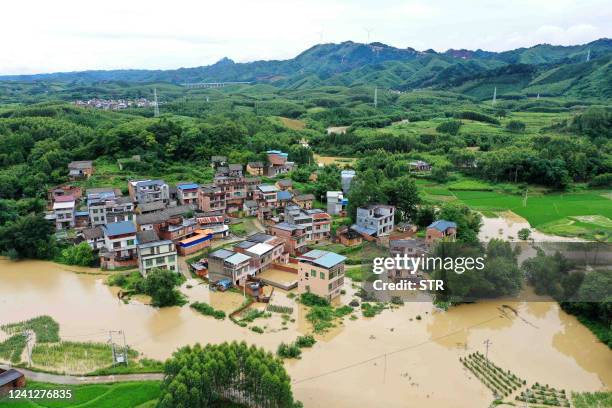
(391, 360)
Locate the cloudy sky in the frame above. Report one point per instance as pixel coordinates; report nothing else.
(65, 35)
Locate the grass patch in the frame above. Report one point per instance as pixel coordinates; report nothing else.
(592, 399)
(116, 395)
(208, 310)
(322, 315)
(12, 348)
(45, 328)
(75, 357)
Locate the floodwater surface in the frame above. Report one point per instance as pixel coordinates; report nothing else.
(392, 360)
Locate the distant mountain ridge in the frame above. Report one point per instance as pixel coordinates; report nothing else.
(349, 63)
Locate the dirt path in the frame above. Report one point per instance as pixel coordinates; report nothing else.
(73, 380)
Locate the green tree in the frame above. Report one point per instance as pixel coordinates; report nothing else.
(468, 221)
(161, 284)
(404, 195)
(515, 126)
(198, 377)
(29, 236)
(524, 234)
(451, 127)
(366, 188)
(80, 254)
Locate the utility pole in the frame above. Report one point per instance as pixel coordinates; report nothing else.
(155, 104)
(376, 97)
(487, 343)
(125, 354)
(27, 335)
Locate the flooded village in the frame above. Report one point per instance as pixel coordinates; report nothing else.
(248, 250)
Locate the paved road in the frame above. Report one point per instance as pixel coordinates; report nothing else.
(71, 379)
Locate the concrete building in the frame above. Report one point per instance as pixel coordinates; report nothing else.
(346, 178)
(94, 237)
(267, 195)
(321, 273)
(277, 163)
(212, 199)
(336, 203)
(375, 220)
(293, 235)
(119, 245)
(155, 253)
(226, 264)
(187, 193)
(106, 207)
(316, 223)
(146, 191)
(63, 212)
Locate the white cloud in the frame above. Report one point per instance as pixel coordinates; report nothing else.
(65, 35)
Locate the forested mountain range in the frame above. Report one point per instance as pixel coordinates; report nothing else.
(542, 69)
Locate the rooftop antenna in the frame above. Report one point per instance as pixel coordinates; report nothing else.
(155, 104)
(369, 31)
(494, 95)
(588, 55)
(375, 97)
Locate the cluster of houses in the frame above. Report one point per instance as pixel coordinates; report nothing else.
(155, 223)
(114, 104)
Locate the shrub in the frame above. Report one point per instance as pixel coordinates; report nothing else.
(450, 127)
(305, 341)
(257, 329)
(515, 126)
(208, 310)
(288, 351)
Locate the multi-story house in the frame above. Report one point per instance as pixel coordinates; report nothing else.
(187, 193)
(226, 264)
(316, 223)
(264, 251)
(63, 212)
(119, 245)
(267, 195)
(212, 199)
(411, 248)
(375, 220)
(277, 163)
(146, 191)
(321, 273)
(106, 207)
(293, 235)
(439, 230)
(336, 203)
(155, 253)
(235, 189)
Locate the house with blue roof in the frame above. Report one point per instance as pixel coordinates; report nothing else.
(119, 245)
(440, 229)
(321, 273)
(187, 193)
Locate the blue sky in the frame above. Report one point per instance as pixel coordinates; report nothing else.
(69, 35)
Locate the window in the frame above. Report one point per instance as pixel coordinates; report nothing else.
(148, 262)
(130, 242)
(329, 286)
(321, 275)
(171, 258)
(313, 273)
(159, 261)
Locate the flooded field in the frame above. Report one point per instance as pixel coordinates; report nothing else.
(507, 226)
(393, 360)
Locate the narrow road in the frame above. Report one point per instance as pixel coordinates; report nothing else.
(73, 380)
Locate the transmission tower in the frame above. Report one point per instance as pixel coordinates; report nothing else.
(155, 104)
(588, 58)
(494, 95)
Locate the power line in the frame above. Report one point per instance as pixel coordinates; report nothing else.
(356, 364)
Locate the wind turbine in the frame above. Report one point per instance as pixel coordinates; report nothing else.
(368, 31)
(588, 55)
(494, 95)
